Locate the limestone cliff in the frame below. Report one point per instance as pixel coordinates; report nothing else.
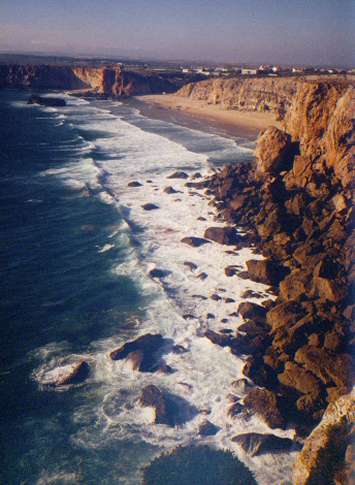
(104, 80)
(264, 94)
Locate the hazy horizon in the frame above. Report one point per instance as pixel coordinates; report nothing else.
(238, 31)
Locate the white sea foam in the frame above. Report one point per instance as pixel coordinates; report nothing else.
(204, 373)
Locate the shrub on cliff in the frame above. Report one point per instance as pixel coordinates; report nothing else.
(197, 465)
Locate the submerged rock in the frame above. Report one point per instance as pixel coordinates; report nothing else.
(134, 183)
(46, 101)
(178, 175)
(197, 465)
(194, 241)
(149, 206)
(258, 443)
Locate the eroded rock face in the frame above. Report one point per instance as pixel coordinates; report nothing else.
(273, 151)
(322, 458)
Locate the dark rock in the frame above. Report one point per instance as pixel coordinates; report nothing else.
(148, 345)
(235, 409)
(169, 409)
(215, 297)
(251, 294)
(265, 403)
(158, 273)
(303, 381)
(46, 101)
(135, 184)
(229, 300)
(328, 367)
(207, 429)
(264, 271)
(170, 190)
(217, 338)
(178, 175)
(284, 315)
(149, 206)
(194, 241)
(190, 265)
(258, 444)
(202, 276)
(231, 270)
(221, 235)
(241, 386)
(252, 311)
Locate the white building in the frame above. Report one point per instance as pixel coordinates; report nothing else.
(246, 71)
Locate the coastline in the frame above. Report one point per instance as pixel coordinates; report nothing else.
(205, 117)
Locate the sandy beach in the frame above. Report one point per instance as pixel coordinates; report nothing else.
(200, 114)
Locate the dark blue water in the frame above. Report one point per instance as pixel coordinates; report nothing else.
(56, 289)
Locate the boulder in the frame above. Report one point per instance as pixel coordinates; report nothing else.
(64, 375)
(170, 190)
(273, 151)
(252, 311)
(221, 235)
(207, 429)
(218, 338)
(258, 443)
(168, 409)
(194, 241)
(327, 366)
(295, 284)
(264, 271)
(178, 175)
(324, 451)
(284, 315)
(265, 403)
(303, 381)
(149, 206)
(134, 183)
(238, 202)
(147, 346)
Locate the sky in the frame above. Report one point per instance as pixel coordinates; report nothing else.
(318, 32)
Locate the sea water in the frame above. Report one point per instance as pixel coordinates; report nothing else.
(76, 252)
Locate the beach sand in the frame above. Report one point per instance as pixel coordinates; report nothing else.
(200, 115)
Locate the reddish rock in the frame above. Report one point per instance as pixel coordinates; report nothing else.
(194, 241)
(273, 151)
(221, 235)
(264, 403)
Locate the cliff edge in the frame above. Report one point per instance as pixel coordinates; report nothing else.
(295, 202)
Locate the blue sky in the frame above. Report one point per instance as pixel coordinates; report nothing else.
(283, 31)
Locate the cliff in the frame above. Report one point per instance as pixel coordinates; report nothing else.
(106, 80)
(264, 94)
(295, 205)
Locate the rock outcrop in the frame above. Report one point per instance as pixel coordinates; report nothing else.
(329, 442)
(295, 205)
(265, 94)
(104, 80)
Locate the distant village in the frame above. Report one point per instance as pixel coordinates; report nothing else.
(262, 70)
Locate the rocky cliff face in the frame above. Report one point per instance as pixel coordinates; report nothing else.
(265, 94)
(110, 81)
(295, 204)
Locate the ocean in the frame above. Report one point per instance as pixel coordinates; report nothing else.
(77, 249)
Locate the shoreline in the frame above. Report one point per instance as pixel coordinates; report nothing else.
(205, 117)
